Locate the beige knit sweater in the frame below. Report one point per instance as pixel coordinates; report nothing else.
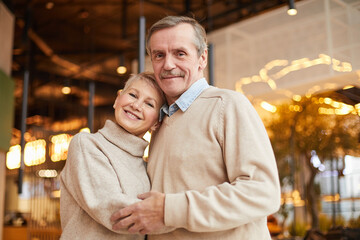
(103, 173)
(216, 165)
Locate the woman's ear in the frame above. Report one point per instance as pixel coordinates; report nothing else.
(155, 126)
(114, 106)
(117, 96)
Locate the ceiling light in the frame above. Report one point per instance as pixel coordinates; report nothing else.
(83, 14)
(121, 69)
(292, 10)
(66, 90)
(49, 5)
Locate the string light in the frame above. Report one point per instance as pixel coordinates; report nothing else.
(13, 157)
(59, 147)
(35, 152)
(295, 65)
(268, 107)
(47, 173)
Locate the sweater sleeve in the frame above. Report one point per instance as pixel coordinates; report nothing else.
(90, 179)
(252, 191)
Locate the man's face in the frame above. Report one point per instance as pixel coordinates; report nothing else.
(175, 60)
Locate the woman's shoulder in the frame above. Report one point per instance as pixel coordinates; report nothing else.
(83, 139)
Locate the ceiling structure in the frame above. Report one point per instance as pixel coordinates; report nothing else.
(74, 42)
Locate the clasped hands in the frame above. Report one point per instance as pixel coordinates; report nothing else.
(143, 217)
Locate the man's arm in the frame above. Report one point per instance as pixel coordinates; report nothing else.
(253, 190)
(144, 217)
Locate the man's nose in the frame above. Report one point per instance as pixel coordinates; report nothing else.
(169, 63)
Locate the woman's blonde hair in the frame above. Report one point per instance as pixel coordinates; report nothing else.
(149, 77)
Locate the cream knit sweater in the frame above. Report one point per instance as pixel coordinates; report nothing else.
(103, 173)
(216, 165)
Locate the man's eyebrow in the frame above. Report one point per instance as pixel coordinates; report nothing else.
(156, 51)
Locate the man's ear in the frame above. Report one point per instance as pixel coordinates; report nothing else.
(155, 126)
(203, 59)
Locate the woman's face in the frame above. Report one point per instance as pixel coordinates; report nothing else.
(137, 108)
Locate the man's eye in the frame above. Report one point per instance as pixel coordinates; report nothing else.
(133, 95)
(180, 54)
(159, 55)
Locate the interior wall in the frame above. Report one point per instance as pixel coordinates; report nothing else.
(7, 21)
(274, 55)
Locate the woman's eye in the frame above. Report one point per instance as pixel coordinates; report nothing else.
(150, 105)
(132, 94)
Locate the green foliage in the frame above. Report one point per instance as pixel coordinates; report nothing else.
(284, 210)
(324, 223)
(298, 128)
(294, 132)
(299, 229)
(354, 222)
(340, 221)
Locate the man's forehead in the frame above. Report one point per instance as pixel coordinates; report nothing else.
(176, 40)
(180, 29)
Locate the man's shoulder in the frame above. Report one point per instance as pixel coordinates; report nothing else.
(223, 94)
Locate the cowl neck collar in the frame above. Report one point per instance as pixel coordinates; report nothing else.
(123, 139)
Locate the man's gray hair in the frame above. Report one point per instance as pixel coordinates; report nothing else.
(200, 39)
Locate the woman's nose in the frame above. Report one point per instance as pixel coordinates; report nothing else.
(136, 104)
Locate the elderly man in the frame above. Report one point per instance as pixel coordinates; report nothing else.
(211, 165)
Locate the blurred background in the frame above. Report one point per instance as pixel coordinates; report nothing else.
(298, 62)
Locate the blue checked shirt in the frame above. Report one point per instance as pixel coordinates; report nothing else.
(185, 100)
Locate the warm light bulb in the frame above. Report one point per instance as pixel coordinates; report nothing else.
(49, 5)
(121, 70)
(292, 12)
(66, 90)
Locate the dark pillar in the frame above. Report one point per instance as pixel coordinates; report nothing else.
(142, 51)
(91, 106)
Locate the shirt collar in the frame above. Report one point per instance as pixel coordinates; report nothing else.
(186, 99)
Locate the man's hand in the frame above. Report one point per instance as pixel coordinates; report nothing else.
(143, 217)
